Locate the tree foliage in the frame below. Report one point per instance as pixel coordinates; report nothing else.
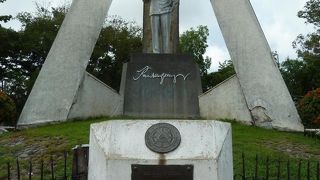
(194, 42)
(311, 12)
(300, 76)
(22, 53)
(118, 39)
(303, 75)
(5, 18)
(7, 110)
(225, 71)
(309, 108)
(308, 46)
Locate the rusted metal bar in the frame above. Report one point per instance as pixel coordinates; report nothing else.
(267, 168)
(41, 170)
(299, 170)
(256, 168)
(9, 171)
(18, 169)
(318, 170)
(278, 169)
(243, 167)
(288, 170)
(52, 168)
(30, 170)
(308, 170)
(65, 155)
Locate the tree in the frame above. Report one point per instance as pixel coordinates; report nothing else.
(309, 108)
(7, 110)
(5, 18)
(194, 42)
(308, 46)
(294, 74)
(118, 39)
(311, 12)
(303, 75)
(225, 71)
(22, 53)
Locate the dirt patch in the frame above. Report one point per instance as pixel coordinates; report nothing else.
(33, 148)
(293, 150)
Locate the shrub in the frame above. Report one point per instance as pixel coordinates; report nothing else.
(309, 108)
(7, 110)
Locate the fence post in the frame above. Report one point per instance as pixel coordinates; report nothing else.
(257, 168)
(243, 167)
(318, 170)
(30, 170)
(267, 169)
(288, 170)
(18, 169)
(65, 164)
(52, 168)
(308, 170)
(299, 170)
(41, 170)
(9, 171)
(80, 162)
(278, 171)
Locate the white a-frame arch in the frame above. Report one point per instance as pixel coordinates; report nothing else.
(57, 86)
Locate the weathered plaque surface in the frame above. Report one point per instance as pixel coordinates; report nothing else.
(162, 172)
(162, 86)
(162, 138)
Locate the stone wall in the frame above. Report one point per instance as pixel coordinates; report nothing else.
(225, 101)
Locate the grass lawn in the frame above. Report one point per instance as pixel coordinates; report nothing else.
(42, 142)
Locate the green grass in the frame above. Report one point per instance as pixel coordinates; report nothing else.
(42, 142)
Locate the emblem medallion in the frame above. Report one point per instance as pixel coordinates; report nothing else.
(162, 138)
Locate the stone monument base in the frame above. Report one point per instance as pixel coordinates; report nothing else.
(118, 151)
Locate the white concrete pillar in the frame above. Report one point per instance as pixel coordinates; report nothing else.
(57, 84)
(264, 89)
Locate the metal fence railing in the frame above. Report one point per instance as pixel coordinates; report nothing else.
(267, 168)
(248, 168)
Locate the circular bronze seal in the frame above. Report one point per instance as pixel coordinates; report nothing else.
(162, 138)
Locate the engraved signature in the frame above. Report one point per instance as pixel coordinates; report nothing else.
(143, 73)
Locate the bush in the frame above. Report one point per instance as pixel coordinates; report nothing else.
(7, 110)
(309, 108)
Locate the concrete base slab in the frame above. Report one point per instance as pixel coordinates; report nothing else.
(116, 145)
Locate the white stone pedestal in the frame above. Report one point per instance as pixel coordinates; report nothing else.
(116, 145)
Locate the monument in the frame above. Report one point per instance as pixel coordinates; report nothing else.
(161, 84)
(63, 88)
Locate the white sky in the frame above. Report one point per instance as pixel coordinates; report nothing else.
(278, 19)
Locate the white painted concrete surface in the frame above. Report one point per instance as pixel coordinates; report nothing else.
(95, 99)
(116, 145)
(264, 89)
(56, 86)
(225, 101)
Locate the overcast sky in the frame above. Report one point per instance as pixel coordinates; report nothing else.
(278, 19)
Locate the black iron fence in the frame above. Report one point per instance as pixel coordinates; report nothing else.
(312, 132)
(41, 170)
(55, 168)
(248, 168)
(260, 168)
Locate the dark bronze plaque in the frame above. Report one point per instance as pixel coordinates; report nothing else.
(162, 138)
(161, 172)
